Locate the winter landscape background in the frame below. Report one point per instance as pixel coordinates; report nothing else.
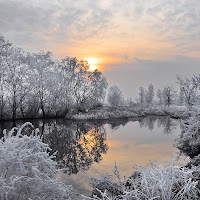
(89, 89)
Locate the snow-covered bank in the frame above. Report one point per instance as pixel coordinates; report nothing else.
(179, 112)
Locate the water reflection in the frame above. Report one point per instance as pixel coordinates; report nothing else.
(168, 124)
(80, 144)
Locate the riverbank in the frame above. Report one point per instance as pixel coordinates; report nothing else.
(122, 112)
(179, 112)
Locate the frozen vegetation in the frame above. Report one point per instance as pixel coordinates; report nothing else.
(27, 169)
(189, 142)
(106, 112)
(154, 182)
(34, 85)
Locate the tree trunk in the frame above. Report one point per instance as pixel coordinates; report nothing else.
(14, 107)
(43, 110)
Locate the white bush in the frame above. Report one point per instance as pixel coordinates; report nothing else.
(27, 171)
(189, 142)
(151, 183)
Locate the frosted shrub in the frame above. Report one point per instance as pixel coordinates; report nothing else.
(155, 182)
(27, 171)
(189, 142)
(195, 162)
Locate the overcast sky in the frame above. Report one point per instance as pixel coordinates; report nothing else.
(136, 42)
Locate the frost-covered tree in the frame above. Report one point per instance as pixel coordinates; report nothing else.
(4, 45)
(98, 87)
(189, 86)
(168, 95)
(4, 48)
(15, 78)
(160, 96)
(181, 98)
(42, 66)
(129, 101)
(115, 96)
(149, 94)
(83, 88)
(141, 95)
(35, 85)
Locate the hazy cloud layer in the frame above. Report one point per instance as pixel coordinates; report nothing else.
(66, 21)
(33, 23)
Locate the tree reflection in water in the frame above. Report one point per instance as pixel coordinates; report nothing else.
(78, 145)
(168, 124)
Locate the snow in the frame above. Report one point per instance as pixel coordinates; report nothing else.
(154, 182)
(27, 169)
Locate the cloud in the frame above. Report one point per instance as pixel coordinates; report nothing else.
(33, 23)
(126, 29)
(23, 23)
(175, 22)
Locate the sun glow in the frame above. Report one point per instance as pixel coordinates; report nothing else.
(93, 62)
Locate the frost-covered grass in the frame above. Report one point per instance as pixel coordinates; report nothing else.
(150, 183)
(27, 171)
(134, 111)
(107, 113)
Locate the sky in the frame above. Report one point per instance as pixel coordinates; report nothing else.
(134, 42)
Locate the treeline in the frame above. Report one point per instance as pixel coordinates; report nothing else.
(34, 85)
(165, 96)
(188, 95)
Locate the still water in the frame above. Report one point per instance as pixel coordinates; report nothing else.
(88, 149)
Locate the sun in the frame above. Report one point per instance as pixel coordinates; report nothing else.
(93, 62)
